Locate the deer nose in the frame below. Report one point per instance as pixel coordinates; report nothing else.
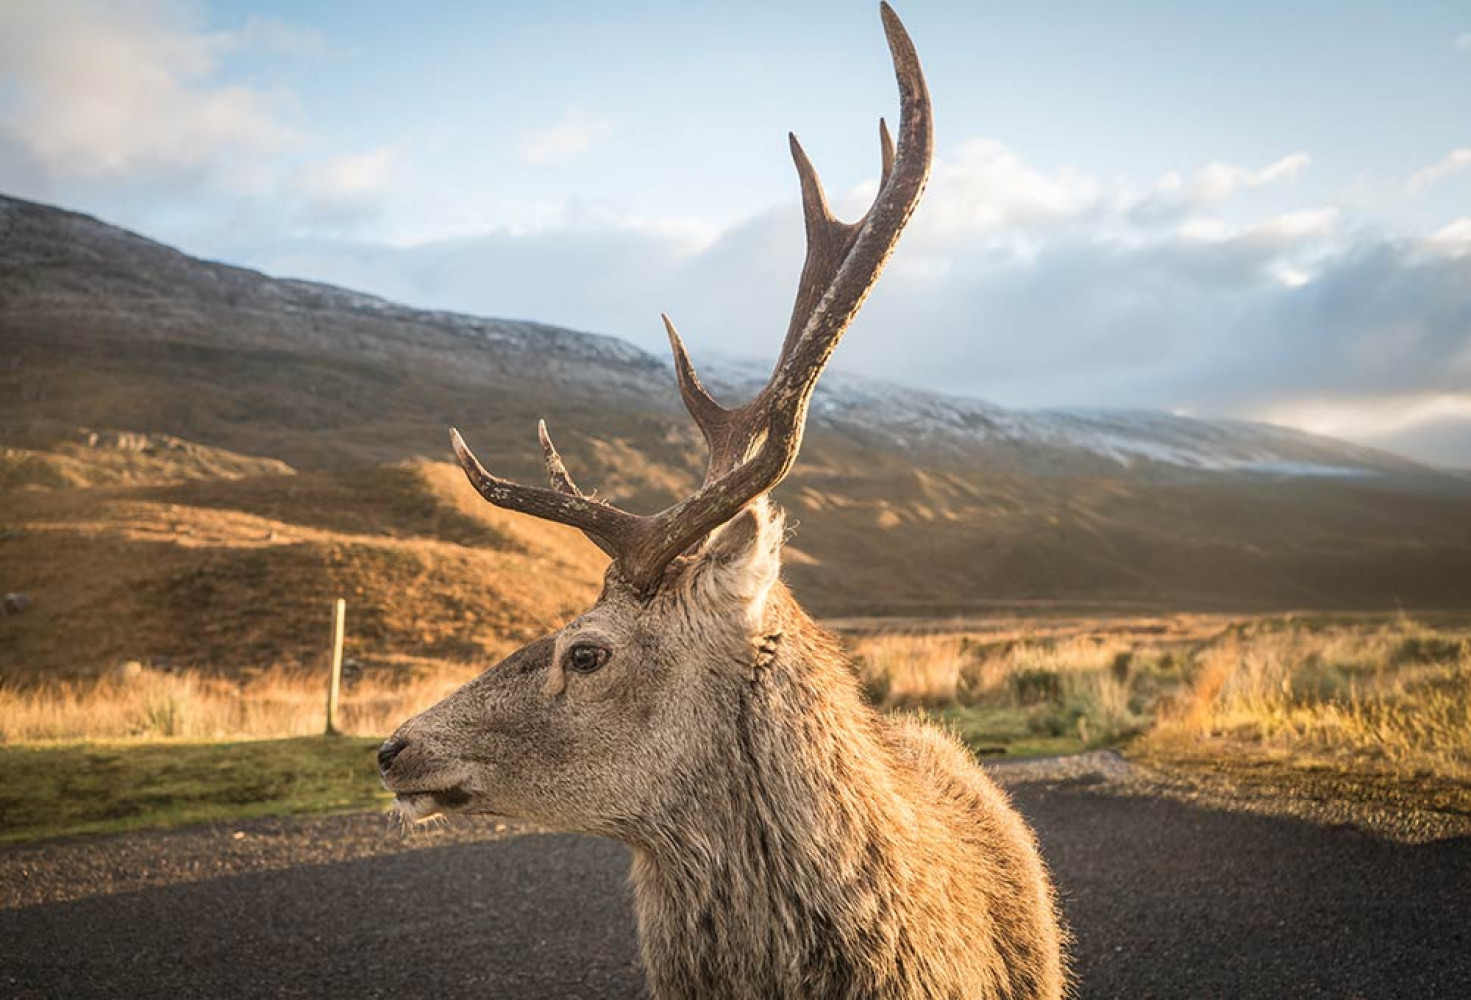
(391, 748)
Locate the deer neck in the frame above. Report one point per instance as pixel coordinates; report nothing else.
(779, 859)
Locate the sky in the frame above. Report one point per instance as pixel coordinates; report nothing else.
(1256, 210)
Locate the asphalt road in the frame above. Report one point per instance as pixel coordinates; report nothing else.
(1165, 899)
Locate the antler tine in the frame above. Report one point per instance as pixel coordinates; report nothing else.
(827, 239)
(815, 211)
(886, 151)
(609, 528)
(836, 278)
(710, 416)
(556, 472)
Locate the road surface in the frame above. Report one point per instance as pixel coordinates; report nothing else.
(1164, 898)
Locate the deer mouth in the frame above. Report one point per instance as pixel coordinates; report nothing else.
(416, 806)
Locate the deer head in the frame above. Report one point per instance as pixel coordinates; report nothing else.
(604, 722)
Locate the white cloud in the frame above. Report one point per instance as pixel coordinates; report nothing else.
(1434, 427)
(1372, 417)
(1285, 231)
(1302, 225)
(1463, 42)
(1211, 185)
(1289, 275)
(565, 140)
(103, 91)
(1216, 182)
(988, 186)
(1204, 229)
(346, 189)
(1453, 162)
(1452, 239)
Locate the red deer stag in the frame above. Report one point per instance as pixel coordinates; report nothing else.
(787, 840)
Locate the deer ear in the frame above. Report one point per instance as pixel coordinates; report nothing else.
(741, 561)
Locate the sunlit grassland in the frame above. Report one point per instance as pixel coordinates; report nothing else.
(148, 749)
(1387, 694)
(144, 703)
(1385, 700)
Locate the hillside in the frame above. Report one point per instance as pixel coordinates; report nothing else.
(196, 457)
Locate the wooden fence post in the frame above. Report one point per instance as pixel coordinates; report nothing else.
(334, 686)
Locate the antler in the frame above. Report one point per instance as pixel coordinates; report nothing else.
(752, 447)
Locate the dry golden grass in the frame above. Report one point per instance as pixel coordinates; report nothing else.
(151, 704)
(912, 669)
(1395, 695)
(997, 685)
(1388, 693)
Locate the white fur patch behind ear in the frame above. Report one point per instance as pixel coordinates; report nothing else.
(742, 561)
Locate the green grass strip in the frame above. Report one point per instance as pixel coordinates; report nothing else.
(64, 789)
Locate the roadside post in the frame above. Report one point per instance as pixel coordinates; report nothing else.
(334, 685)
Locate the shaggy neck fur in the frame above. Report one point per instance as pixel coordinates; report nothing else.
(816, 858)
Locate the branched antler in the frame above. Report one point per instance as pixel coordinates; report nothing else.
(753, 446)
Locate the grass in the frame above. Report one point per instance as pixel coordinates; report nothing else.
(1372, 703)
(1392, 698)
(145, 703)
(151, 749)
(1017, 696)
(54, 790)
(1388, 695)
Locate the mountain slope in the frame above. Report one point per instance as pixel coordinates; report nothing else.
(903, 500)
(61, 258)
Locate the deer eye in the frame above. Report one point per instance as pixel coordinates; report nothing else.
(585, 657)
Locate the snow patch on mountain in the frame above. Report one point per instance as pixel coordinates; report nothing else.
(905, 417)
(1129, 438)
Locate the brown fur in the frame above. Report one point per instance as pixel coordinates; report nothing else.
(788, 840)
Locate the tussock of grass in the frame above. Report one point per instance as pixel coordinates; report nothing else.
(1008, 696)
(1394, 696)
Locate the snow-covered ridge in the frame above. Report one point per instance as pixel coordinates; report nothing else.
(905, 417)
(1128, 438)
(901, 416)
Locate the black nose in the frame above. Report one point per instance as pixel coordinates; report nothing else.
(391, 748)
